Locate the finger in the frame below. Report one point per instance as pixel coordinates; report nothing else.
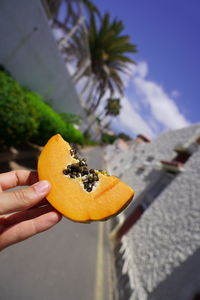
(24, 198)
(31, 213)
(14, 178)
(43, 202)
(26, 229)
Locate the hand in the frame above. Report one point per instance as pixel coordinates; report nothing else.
(24, 212)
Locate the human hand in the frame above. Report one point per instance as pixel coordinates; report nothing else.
(24, 212)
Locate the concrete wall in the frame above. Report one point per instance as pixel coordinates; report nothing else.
(166, 236)
(183, 283)
(161, 251)
(29, 52)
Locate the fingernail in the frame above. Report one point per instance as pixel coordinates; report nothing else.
(42, 186)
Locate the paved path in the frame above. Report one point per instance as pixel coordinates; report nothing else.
(62, 263)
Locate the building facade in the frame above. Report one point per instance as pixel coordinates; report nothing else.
(157, 238)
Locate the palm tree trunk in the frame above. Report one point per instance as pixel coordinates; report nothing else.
(80, 72)
(90, 96)
(85, 87)
(92, 123)
(69, 35)
(94, 106)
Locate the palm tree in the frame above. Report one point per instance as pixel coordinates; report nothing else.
(53, 7)
(108, 50)
(99, 49)
(113, 107)
(73, 42)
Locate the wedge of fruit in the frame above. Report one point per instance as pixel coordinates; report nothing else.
(79, 193)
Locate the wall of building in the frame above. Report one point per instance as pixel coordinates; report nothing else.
(183, 282)
(168, 232)
(29, 52)
(164, 244)
(128, 164)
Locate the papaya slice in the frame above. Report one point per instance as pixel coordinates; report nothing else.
(80, 194)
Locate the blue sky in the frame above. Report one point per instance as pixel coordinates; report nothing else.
(163, 91)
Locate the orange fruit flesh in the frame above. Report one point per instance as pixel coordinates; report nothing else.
(68, 196)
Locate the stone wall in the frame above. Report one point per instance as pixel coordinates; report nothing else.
(166, 240)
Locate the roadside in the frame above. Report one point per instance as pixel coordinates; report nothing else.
(103, 281)
(71, 261)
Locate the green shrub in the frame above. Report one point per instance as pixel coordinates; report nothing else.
(107, 138)
(50, 122)
(71, 118)
(124, 136)
(24, 117)
(18, 118)
(88, 140)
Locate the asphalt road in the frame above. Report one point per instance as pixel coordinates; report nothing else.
(66, 262)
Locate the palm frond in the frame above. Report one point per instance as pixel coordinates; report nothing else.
(92, 9)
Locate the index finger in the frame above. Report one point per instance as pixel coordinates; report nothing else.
(14, 178)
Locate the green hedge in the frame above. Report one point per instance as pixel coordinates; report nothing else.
(24, 117)
(51, 122)
(71, 118)
(18, 118)
(107, 138)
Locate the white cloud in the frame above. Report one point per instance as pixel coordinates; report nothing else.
(162, 107)
(140, 70)
(129, 120)
(128, 75)
(148, 109)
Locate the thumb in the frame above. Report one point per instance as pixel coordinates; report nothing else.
(23, 199)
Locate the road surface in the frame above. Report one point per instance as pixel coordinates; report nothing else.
(66, 262)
